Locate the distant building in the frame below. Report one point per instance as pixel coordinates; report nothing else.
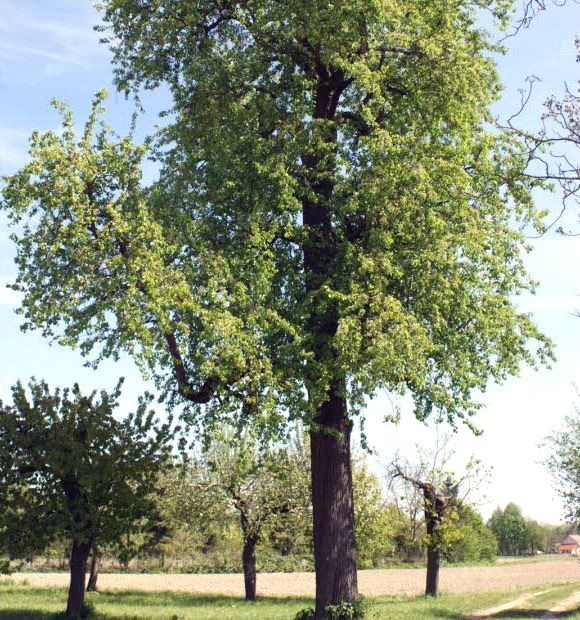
(570, 545)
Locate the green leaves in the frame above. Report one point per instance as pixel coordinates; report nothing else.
(564, 464)
(71, 469)
(372, 117)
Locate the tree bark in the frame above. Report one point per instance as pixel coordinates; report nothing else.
(333, 505)
(78, 567)
(435, 507)
(249, 565)
(433, 560)
(94, 572)
(332, 496)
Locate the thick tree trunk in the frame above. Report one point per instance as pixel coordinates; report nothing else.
(333, 506)
(94, 572)
(332, 497)
(78, 567)
(433, 560)
(249, 565)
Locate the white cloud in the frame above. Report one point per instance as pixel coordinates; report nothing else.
(34, 47)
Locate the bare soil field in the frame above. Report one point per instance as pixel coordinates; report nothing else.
(371, 582)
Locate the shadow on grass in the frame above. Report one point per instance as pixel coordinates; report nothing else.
(105, 604)
(24, 614)
(185, 599)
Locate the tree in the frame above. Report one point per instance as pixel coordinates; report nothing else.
(333, 217)
(511, 530)
(443, 495)
(70, 469)
(376, 523)
(474, 540)
(259, 483)
(564, 464)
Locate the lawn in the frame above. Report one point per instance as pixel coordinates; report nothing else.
(22, 602)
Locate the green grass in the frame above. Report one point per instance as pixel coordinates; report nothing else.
(22, 602)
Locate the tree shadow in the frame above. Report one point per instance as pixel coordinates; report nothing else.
(104, 603)
(26, 614)
(186, 599)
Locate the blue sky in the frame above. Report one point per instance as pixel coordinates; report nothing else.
(48, 49)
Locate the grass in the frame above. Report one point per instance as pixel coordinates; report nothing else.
(22, 602)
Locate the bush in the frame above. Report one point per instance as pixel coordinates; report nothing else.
(341, 611)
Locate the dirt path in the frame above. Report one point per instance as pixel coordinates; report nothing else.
(516, 603)
(522, 605)
(568, 604)
(371, 582)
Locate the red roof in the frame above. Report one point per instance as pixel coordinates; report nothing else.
(571, 539)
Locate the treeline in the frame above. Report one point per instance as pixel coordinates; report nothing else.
(227, 505)
(517, 535)
(236, 504)
(77, 482)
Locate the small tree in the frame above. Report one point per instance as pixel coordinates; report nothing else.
(375, 521)
(70, 469)
(260, 484)
(474, 540)
(443, 495)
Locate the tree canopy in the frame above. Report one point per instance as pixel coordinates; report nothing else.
(69, 469)
(201, 273)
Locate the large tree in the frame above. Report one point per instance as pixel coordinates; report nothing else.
(510, 529)
(333, 217)
(70, 469)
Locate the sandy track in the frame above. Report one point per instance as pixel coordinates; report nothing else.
(371, 582)
(498, 609)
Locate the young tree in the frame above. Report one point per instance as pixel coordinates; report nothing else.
(376, 523)
(70, 469)
(474, 540)
(258, 483)
(333, 217)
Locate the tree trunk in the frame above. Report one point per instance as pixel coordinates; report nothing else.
(433, 560)
(94, 572)
(78, 568)
(249, 565)
(332, 497)
(333, 506)
(435, 507)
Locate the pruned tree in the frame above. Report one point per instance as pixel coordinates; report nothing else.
(334, 216)
(443, 493)
(259, 483)
(70, 469)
